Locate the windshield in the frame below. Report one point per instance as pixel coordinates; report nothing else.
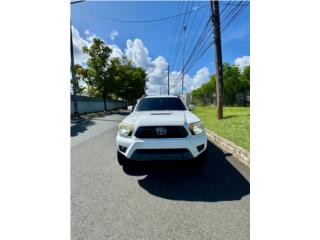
(161, 104)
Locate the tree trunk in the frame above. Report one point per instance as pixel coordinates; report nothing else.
(105, 103)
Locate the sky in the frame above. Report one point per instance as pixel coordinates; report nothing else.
(157, 44)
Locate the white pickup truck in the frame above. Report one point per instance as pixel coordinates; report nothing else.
(161, 128)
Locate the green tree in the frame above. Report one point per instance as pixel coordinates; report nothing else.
(99, 54)
(231, 83)
(245, 80)
(129, 81)
(80, 89)
(111, 78)
(204, 94)
(88, 76)
(115, 75)
(234, 82)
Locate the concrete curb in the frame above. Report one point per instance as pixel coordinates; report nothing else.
(239, 153)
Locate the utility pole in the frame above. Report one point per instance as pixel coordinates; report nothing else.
(184, 40)
(168, 81)
(74, 84)
(215, 18)
(73, 74)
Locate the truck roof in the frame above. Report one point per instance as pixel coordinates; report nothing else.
(160, 96)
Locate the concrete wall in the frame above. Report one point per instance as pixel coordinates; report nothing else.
(94, 104)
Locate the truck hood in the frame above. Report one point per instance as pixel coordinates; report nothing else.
(161, 118)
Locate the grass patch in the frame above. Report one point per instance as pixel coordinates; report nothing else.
(235, 126)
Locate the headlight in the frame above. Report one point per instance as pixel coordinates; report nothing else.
(196, 128)
(125, 129)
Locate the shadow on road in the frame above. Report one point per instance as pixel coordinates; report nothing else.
(119, 112)
(80, 127)
(122, 112)
(216, 180)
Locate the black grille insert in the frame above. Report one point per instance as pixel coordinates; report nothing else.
(161, 154)
(161, 132)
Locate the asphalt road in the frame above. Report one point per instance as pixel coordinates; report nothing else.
(162, 201)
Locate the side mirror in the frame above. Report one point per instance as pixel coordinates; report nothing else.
(191, 107)
(130, 108)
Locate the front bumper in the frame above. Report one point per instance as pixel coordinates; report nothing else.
(168, 148)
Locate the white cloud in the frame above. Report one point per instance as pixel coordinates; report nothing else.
(190, 82)
(157, 70)
(116, 51)
(198, 79)
(241, 62)
(113, 35)
(139, 55)
(78, 44)
(90, 37)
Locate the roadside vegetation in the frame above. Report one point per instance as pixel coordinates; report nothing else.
(109, 78)
(236, 87)
(235, 125)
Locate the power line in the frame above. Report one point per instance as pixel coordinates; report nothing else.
(73, 2)
(196, 48)
(174, 33)
(197, 33)
(228, 15)
(193, 22)
(178, 51)
(136, 21)
(198, 44)
(204, 43)
(231, 3)
(236, 12)
(177, 37)
(187, 34)
(235, 15)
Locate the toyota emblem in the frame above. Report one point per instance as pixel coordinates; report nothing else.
(161, 131)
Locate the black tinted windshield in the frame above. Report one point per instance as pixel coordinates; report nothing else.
(160, 104)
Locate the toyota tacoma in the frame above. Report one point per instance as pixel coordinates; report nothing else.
(161, 128)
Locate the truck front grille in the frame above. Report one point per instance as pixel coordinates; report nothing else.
(161, 132)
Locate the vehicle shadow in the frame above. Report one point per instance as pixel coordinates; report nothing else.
(216, 180)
